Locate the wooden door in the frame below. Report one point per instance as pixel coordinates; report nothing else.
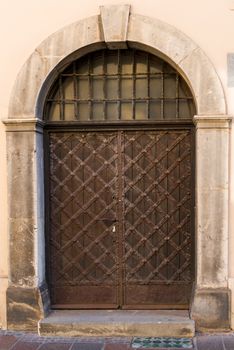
(120, 219)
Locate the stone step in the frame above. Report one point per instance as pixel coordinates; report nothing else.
(115, 323)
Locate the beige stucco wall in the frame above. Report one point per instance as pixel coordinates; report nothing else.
(209, 23)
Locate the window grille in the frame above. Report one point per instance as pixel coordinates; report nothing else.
(124, 85)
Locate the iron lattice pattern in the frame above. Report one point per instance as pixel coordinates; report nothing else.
(158, 204)
(112, 85)
(83, 169)
(120, 208)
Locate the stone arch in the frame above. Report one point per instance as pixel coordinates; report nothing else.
(107, 30)
(115, 27)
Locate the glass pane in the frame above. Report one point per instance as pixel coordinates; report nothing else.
(155, 87)
(68, 88)
(82, 66)
(54, 111)
(98, 92)
(69, 111)
(141, 110)
(83, 111)
(170, 86)
(83, 89)
(97, 64)
(126, 111)
(186, 109)
(183, 89)
(141, 88)
(112, 111)
(111, 88)
(126, 88)
(98, 111)
(156, 65)
(141, 63)
(112, 63)
(167, 68)
(126, 62)
(169, 109)
(155, 110)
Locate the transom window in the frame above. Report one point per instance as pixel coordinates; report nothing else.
(126, 85)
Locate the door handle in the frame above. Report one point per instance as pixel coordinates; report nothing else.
(108, 221)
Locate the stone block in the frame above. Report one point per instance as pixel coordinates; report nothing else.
(22, 253)
(115, 24)
(159, 38)
(25, 307)
(20, 154)
(207, 89)
(210, 309)
(117, 323)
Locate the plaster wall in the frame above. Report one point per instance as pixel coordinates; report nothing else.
(25, 24)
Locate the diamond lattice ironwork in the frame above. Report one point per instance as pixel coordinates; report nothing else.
(120, 217)
(157, 192)
(82, 188)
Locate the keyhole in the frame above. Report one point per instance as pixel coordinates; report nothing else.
(113, 229)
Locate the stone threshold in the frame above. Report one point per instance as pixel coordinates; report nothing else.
(117, 323)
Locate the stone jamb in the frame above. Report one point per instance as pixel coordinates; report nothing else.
(211, 302)
(25, 119)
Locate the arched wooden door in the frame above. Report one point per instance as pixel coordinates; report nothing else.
(120, 193)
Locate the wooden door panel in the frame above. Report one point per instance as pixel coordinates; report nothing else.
(83, 245)
(157, 218)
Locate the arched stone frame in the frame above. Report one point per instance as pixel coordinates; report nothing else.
(115, 27)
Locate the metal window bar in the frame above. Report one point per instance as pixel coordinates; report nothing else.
(133, 85)
(75, 87)
(90, 89)
(119, 91)
(177, 96)
(104, 84)
(61, 99)
(148, 88)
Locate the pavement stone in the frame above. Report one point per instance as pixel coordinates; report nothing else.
(117, 346)
(24, 345)
(7, 341)
(87, 346)
(228, 342)
(29, 341)
(210, 343)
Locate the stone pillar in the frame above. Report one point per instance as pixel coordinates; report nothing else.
(210, 306)
(3, 229)
(27, 293)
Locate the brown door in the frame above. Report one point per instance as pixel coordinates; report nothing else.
(120, 219)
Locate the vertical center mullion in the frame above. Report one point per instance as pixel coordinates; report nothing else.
(120, 217)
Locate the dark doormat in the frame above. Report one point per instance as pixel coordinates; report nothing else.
(162, 342)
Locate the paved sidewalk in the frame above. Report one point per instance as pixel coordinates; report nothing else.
(26, 341)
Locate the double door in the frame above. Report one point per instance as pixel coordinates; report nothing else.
(120, 225)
